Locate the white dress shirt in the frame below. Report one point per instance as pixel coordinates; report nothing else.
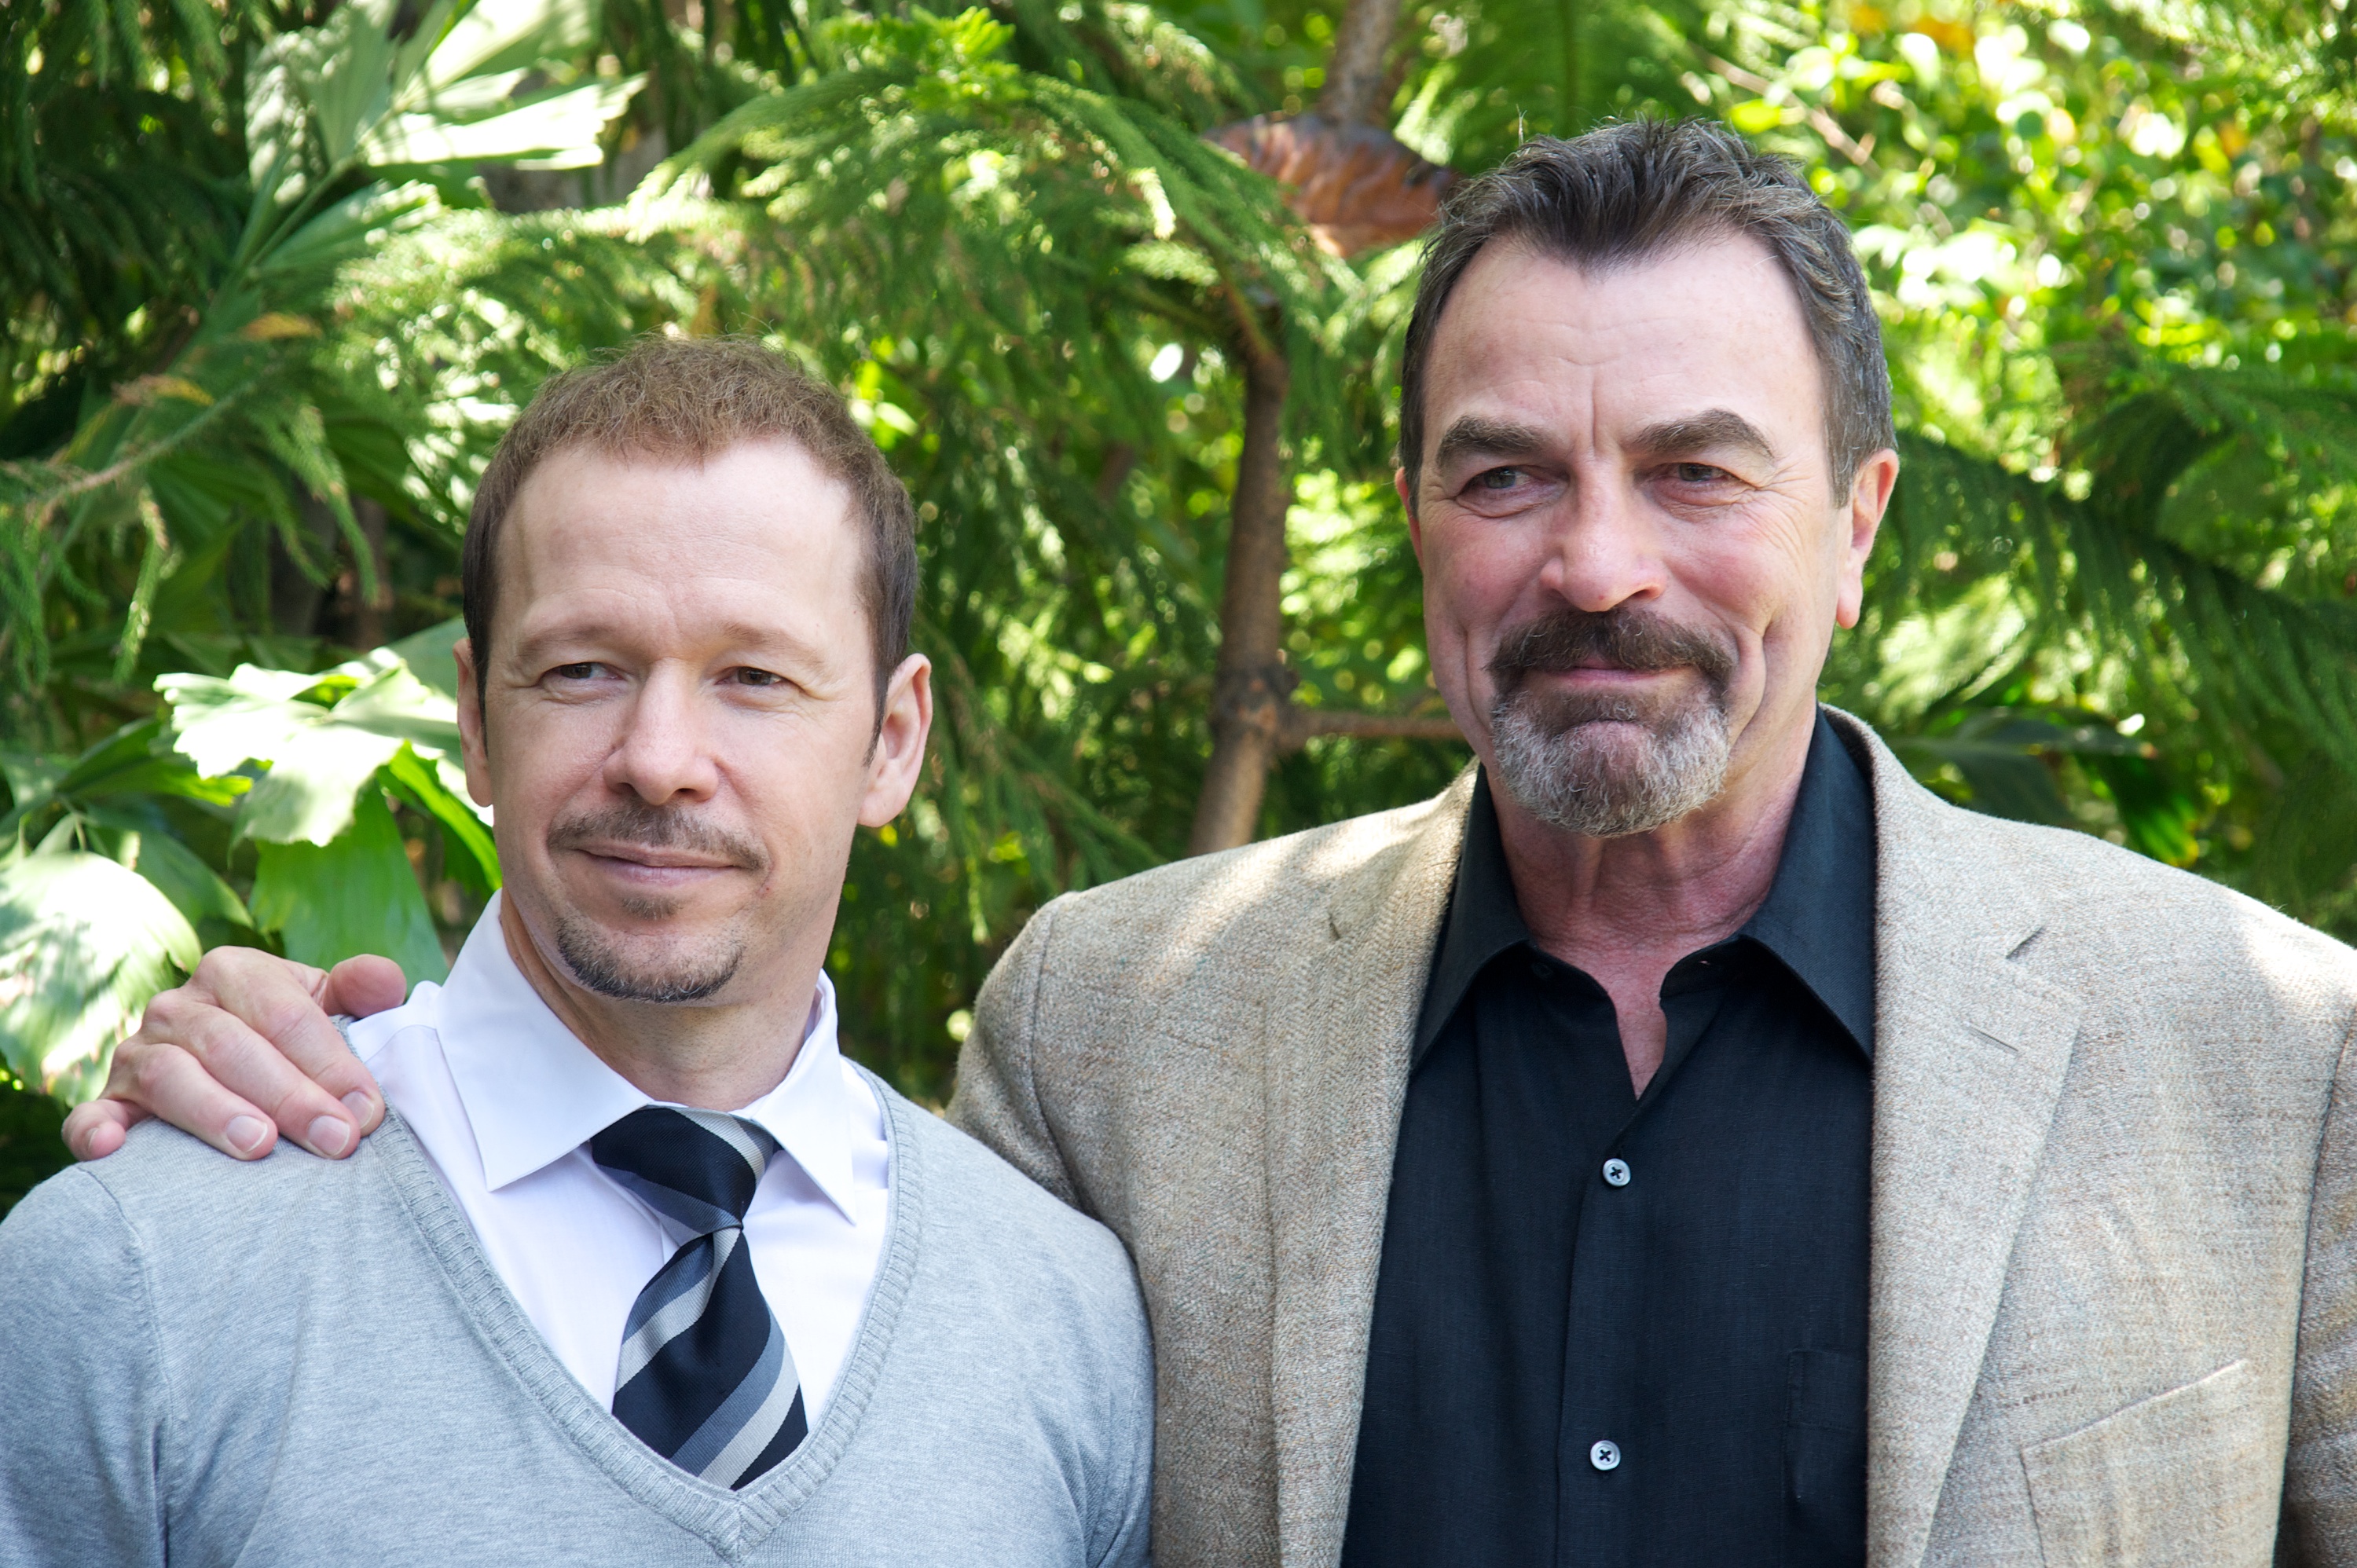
(505, 1098)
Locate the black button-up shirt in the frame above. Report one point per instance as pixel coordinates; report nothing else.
(1621, 1330)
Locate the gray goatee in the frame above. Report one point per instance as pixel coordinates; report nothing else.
(1608, 766)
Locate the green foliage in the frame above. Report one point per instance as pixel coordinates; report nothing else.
(273, 782)
(354, 893)
(162, 449)
(85, 941)
(322, 738)
(2115, 257)
(32, 1140)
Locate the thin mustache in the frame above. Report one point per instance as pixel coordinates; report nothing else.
(651, 828)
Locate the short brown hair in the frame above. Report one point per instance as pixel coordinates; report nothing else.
(690, 399)
(1628, 192)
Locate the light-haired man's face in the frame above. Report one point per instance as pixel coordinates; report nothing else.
(678, 730)
(1634, 549)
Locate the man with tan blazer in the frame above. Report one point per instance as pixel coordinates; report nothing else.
(2112, 1165)
(1686, 1139)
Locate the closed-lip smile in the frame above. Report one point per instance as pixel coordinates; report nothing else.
(638, 861)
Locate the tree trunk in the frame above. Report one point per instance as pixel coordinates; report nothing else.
(1253, 719)
(371, 592)
(1249, 694)
(1356, 77)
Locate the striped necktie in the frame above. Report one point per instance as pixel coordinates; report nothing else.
(706, 1379)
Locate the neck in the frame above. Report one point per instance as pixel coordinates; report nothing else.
(713, 1058)
(1683, 886)
(1625, 910)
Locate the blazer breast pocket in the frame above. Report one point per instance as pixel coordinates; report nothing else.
(2188, 1477)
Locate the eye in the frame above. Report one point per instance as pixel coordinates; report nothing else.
(747, 676)
(1696, 473)
(583, 671)
(1497, 479)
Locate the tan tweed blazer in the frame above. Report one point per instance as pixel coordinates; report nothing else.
(2114, 1314)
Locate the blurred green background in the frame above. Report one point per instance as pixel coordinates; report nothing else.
(276, 276)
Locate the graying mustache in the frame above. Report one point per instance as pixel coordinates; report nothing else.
(1562, 641)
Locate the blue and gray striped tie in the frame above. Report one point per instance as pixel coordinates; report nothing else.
(706, 1379)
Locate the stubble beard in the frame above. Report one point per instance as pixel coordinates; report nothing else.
(1606, 765)
(602, 962)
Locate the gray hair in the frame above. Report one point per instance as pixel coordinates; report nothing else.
(1627, 193)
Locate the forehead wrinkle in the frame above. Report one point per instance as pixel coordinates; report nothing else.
(581, 624)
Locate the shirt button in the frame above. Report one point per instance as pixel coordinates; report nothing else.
(1605, 1454)
(1616, 1173)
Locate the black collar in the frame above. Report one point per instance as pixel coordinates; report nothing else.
(1817, 921)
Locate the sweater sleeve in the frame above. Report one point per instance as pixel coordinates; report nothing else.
(1129, 1540)
(1124, 1533)
(82, 1419)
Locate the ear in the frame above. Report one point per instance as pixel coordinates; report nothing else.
(1407, 500)
(898, 753)
(1869, 497)
(472, 746)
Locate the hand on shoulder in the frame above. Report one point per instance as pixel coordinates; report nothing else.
(245, 1051)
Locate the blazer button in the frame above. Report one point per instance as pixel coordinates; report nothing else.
(1605, 1454)
(1616, 1173)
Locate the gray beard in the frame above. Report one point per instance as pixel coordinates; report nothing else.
(596, 964)
(1651, 770)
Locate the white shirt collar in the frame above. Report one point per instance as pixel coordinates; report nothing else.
(533, 1093)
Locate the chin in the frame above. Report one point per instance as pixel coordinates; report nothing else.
(677, 965)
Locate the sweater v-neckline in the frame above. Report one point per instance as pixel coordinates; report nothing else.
(732, 1522)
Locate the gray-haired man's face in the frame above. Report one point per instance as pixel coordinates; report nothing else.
(1634, 554)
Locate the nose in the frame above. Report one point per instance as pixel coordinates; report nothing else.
(664, 752)
(1604, 553)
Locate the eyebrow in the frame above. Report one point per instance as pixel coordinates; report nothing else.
(1473, 434)
(1712, 427)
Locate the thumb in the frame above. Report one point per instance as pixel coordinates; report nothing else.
(359, 986)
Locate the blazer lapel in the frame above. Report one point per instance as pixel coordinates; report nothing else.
(1338, 1038)
(1970, 1053)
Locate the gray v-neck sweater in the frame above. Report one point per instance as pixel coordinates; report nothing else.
(295, 1362)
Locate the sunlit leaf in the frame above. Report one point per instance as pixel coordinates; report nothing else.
(317, 757)
(427, 654)
(475, 862)
(83, 944)
(504, 36)
(194, 888)
(558, 132)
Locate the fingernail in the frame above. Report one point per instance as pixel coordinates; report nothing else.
(330, 1137)
(358, 1104)
(246, 1133)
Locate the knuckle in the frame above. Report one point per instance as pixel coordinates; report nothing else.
(213, 1037)
(150, 1072)
(162, 1013)
(282, 1019)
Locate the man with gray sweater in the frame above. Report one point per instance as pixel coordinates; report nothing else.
(639, 1268)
